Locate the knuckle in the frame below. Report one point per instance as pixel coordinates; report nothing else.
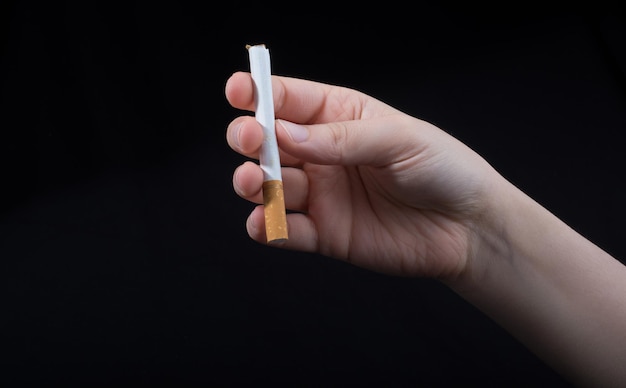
(340, 138)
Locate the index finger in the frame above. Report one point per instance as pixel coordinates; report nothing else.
(306, 102)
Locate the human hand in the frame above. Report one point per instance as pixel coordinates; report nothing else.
(364, 182)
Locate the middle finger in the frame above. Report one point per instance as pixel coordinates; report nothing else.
(245, 136)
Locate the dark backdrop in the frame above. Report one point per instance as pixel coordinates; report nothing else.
(123, 251)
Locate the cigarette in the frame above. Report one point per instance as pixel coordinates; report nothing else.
(269, 159)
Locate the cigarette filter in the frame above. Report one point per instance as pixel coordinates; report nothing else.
(269, 159)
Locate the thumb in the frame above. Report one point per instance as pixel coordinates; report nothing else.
(375, 142)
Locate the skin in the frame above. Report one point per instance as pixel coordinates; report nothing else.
(370, 185)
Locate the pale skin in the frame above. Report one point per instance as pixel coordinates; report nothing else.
(373, 186)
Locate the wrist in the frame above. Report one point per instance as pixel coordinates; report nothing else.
(490, 240)
(554, 290)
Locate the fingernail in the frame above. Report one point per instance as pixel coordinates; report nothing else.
(250, 225)
(236, 182)
(235, 133)
(296, 132)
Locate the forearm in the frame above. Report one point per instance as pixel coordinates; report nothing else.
(558, 293)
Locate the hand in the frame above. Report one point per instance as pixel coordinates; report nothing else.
(383, 190)
(364, 182)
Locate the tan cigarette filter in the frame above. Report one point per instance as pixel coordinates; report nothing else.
(275, 214)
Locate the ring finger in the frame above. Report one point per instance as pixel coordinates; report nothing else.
(248, 183)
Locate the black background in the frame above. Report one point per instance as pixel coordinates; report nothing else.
(124, 256)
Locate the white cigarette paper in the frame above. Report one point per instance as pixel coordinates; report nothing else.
(269, 159)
